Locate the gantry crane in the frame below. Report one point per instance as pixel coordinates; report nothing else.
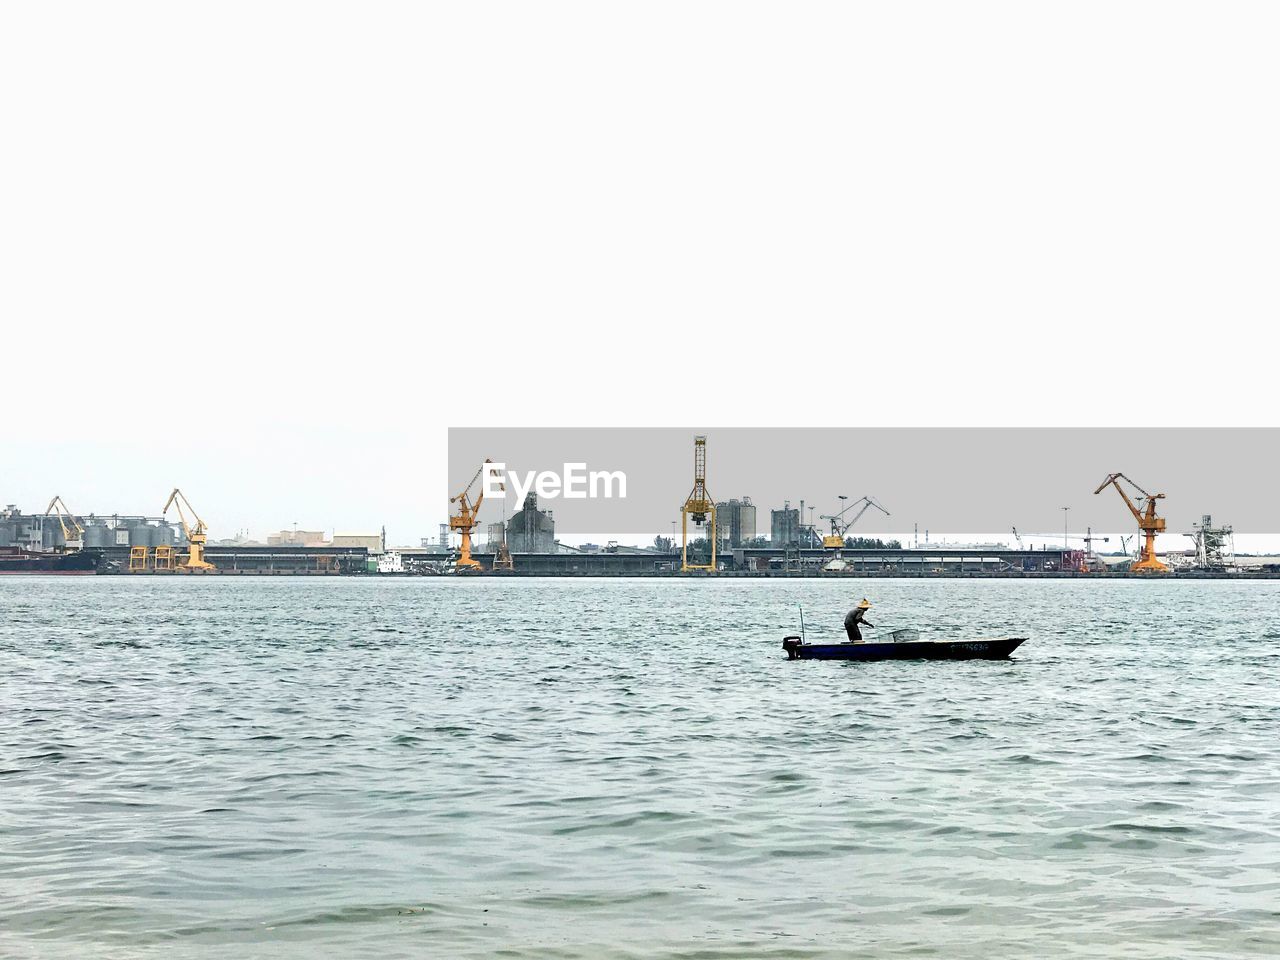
(466, 520)
(840, 526)
(72, 530)
(1148, 522)
(700, 506)
(196, 535)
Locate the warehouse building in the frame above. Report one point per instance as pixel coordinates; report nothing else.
(374, 543)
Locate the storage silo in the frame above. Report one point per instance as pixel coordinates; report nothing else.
(141, 535)
(97, 536)
(736, 521)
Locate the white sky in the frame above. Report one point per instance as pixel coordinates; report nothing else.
(270, 251)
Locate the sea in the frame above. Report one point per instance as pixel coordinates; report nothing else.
(631, 768)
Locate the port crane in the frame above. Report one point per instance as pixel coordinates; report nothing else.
(841, 526)
(700, 506)
(72, 530)
(197, 536)
(466, 520)
(1148, 522)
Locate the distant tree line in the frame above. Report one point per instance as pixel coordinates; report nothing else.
(871, 543)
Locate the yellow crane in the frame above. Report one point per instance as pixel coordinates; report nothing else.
(700, 506)
(1148, 522)
(466, 520)
(72, 530)
(196, 536)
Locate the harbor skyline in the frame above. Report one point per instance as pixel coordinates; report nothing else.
(945, 485)
(915, 365)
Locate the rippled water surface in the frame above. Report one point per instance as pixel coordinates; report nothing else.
(603, 768)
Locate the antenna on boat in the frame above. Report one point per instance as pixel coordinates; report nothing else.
(801, 606)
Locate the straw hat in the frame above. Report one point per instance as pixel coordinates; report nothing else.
(865, 604)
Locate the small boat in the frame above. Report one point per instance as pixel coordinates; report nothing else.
(992, 648)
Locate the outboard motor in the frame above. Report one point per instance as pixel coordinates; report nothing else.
(791, 645)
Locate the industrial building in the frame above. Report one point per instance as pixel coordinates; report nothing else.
(44, 532)
(440, 544)
(493, 534)
(297, 538)
(784, 526)
(1215, 546)
(529, 530)
(371, 542)
(736, 522)
(151, 545)
(29, 531)
(255, 560)
(938, 560)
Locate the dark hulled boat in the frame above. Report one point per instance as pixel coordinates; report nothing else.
(995, 648)
(18, 560)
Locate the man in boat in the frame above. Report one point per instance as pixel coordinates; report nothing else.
(857, 616)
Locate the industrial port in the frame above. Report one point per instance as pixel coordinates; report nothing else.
(716, 539)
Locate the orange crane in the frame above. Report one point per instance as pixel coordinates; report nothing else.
(466, 520)
(1148, 522)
